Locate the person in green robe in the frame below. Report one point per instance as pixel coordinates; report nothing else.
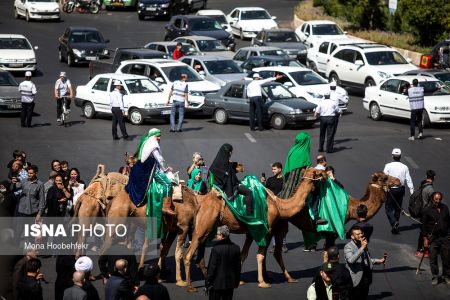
(196, 182)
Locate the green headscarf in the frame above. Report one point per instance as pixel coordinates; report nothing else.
(298, 156)
(196, 185)
(144, 138)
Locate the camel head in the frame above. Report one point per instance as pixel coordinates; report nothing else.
(383, 181)
(314, 175)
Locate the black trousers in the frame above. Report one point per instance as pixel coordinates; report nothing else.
(416, 120)
(117, 117)
(247, 198)
(226, 294)
(26, 114)
(440, 246)
(335, 126)
(361, 291)
(256, 111)
(394, 200)
(326, 128)
(59, 103)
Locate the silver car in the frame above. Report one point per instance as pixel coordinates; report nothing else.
(206, 45)
(216, 69)
(9, 93)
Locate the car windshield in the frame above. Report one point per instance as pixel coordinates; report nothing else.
(186, 49)
(282, 37)
(290, 63)
(86, 37)
(174, 73)
(272, 52)
(326, 29)
(277, 92)
(6, 79)
(14, 43)
(205, 25)
(307, 78)
(141, 86)
(434, 88)
(444, 77)
(219, 18)
(381, 58)
(254, 15)
(210, 46)
(222, 67)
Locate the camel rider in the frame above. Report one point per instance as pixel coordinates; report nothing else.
(150, 165)
(222, 173)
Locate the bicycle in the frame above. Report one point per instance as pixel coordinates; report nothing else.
(65, 110)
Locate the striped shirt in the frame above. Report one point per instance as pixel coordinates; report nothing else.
(416, 100)
(179, 88)
(27, 90)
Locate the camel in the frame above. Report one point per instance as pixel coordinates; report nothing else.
(122, 207)
(212, 211)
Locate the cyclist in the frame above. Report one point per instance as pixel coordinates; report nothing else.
(63, 88)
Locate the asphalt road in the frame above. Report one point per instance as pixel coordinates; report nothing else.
(364, 146)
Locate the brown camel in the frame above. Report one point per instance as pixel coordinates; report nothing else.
(213, 211)
(374, 198)
(122, 207)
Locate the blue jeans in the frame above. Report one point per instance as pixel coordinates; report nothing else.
(177, 105)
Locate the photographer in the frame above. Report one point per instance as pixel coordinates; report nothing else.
(57, 198)
(197, 163)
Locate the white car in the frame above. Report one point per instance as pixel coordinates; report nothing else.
(217, 15)
(206, 45)
(317, 57)
(303, 82)
(390, 99)
(37, 9)
(142, 98)
(16, 53)
(246, 22)
(363, 65)
(164, 72)
(312, 32)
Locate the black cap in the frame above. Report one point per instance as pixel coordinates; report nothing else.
(327, 267)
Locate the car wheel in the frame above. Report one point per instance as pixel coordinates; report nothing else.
(27, 16)
(141, 17)
(334, 77)
(426, 119)
(60, 56)
(70, 62)
(313, 67)
(88, 110)
(135, 117)
(369, 82)
(375, 112)
(16, 13)
(241, 34)
(220, 116)
(278, 121)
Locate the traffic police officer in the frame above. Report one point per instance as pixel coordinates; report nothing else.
(337, 98)
(416, 103)
(327, 110)
(27, 91)
(118, 111)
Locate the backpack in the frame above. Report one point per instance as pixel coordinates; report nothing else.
(416, 202)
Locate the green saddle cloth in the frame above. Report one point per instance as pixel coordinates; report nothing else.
(333, 207)
(155, 195)
(257, 223)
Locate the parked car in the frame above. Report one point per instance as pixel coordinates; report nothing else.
(165, 72)
(36, 10)
(304, 83)
(198, 25)
(197, 4)
(217, 69)
(206, 45)
(433, 59)
(81, 45)
(312, 32)
(363, 65)
(280, 105)
(169, 47)
(246, 22)
(319, 55)
(110, 4)
(390, 99)
(283, 38)
(161, 8)
(142, 99)
(217, 15)
(442, 75)
(9, 94)
(246, 52)
(269, 61)
(121, 54)
(16, 53)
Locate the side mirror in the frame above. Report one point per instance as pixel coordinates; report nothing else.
(307, 33)
(359, 63)
(274, 17)
(159, 80)
(202, 74)
(288, 84)
(36, 47)
(409, 60)
(224, 27)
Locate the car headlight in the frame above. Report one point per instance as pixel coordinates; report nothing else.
(383, 75)
(295, 111)
(105, 52)
(315, 95)
(77, 52)
(165, 5)
(141, 4)
(30, 60)
(56, 9)
(442, 108)
(196, 93)
(303, 51)
(2, 100)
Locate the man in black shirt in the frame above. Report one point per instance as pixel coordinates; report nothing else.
(152, 288)
(340, 277)
(29, 287)
(436, 233)
(366, 227)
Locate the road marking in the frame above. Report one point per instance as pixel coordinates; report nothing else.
(411, 162)
(250, 137)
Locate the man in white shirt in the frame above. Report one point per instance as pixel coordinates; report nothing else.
(179, 95)
(63, 88)
(394, 198)
(118, 111)
(337, 98)
(27, 91)
(416, 104)
(254, 94)
(321, 288)
(327, 110)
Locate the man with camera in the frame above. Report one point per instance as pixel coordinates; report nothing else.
(197, 163)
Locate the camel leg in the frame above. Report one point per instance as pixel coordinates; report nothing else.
(260, 259)
(244, 252)
(187, 262)
(179, 256)
(144, 250)
(200, 261)
(279, 236)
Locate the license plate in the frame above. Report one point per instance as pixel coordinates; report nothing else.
(151, 8)
(15, 106)
(117, 4)
(165, 112)
(16, 65)
(91, 57)
(310, 118)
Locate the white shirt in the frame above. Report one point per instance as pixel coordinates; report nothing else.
(311, 293)
(320, 167)
(254, 87)
(27, 90)
(400, 171)
(62, 87)
(116, 100)
(179, 89)
(327, 108)
(337, 98)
